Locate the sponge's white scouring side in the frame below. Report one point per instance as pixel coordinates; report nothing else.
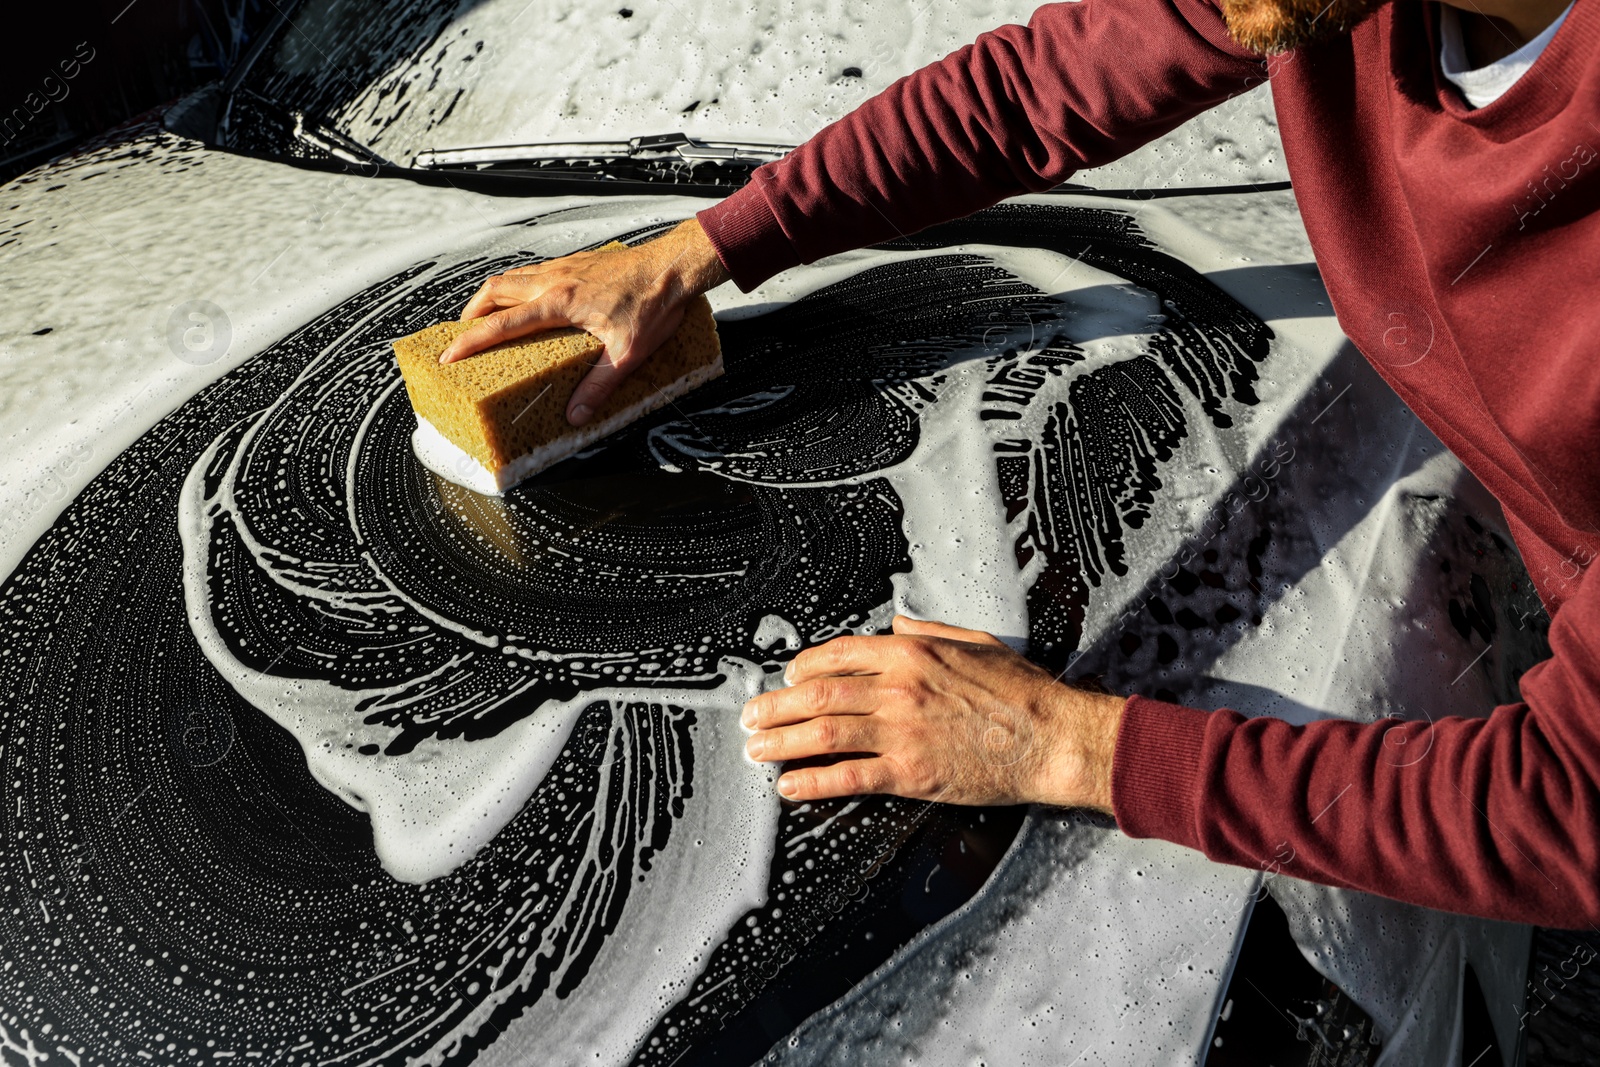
(450, 462)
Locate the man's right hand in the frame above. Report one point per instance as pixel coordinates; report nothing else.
(632, 300)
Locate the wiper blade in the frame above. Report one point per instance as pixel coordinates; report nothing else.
(258, 126)
(670, 158)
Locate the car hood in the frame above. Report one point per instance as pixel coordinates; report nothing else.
(195, 334)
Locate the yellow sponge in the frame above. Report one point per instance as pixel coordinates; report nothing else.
(491, 420)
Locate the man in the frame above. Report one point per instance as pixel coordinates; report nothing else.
(1449, 186)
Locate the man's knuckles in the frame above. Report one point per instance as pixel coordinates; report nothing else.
(847, 779)
(827, 695)
(906, 693)
(820, 735)
(855, 777)
(842, 655)
(823, 736)
(771, 709)
(916, 653)
(786, 743)
(508, 289)
(812, 662)
(819, 696)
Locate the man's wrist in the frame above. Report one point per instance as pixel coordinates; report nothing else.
(1101, 735)
(695, 265)
(1078, 771)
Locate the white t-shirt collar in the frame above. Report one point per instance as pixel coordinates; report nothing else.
(1484, 85)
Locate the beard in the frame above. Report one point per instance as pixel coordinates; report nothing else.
(1270, 27)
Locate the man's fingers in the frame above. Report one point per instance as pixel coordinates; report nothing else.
(624, 352)
(504, 325)
(847, 778)
(598, 385)
(842, 655)
(498, 291)
(874, 655)
(530, 268)
(479, 304)
(826, 736)
(821, 696)
(919, 628)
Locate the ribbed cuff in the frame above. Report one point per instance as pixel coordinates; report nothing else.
(1155, 771)
(747, 235)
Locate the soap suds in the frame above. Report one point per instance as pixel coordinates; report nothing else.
(465, 75)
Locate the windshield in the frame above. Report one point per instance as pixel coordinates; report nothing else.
(405, 76)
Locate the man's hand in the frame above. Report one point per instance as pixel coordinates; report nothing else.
(631, 300)
(936, 712)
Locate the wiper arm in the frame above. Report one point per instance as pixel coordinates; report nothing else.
(671, 158)
(309, 130)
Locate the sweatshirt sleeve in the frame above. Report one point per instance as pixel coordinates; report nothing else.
(1017, 111)
(1497, 816)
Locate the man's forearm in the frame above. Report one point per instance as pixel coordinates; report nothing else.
(1496, 816)
(1019, 110)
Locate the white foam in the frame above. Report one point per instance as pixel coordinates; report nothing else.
(451, 462)
(713, 870)
(715, 69)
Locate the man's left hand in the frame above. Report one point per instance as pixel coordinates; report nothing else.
(935, 712)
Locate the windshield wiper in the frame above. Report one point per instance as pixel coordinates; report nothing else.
(308, 131)
(257, 125)
(668, 158)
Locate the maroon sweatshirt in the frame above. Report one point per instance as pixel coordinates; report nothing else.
(1476, 229)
